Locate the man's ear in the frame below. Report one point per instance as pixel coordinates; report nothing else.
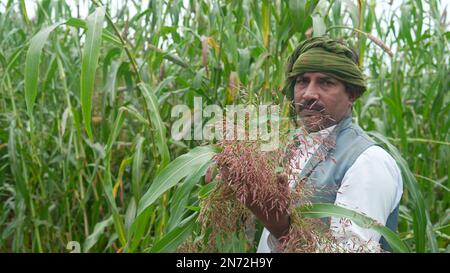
(353, 92)
(352, 97)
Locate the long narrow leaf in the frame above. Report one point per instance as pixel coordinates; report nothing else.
(320, 210)
(174, 172)
(106, 35)
(91, 54)
(181, 196)
(32, 65)
(158, 125)
(99, 229)
(136, 171)
(174, 238)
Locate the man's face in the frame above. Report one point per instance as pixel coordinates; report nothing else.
(320, 100)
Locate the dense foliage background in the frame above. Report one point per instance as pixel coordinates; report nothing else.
(85, 109)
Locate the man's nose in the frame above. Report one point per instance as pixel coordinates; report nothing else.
(311, 92)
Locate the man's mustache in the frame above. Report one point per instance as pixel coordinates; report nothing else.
(311, 105)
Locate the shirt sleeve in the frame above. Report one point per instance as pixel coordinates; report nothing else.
(372, 186)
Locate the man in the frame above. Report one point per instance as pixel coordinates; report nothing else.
(324, 80)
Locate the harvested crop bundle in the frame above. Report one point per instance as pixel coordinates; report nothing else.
(221, 216)
(250, 177)
(253, 175)
(305, 235)
(271, 182)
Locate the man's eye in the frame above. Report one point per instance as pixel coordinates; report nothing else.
(301, 80)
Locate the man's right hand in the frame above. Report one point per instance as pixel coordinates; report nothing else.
(278, 226)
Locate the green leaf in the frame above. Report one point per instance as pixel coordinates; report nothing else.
(158, 124)
(23, 9)
(207, 189)
(138, 229)
(15, 163)
(133, 112)
(171, 240)
(319, 27)
(297, 12)
(32, 65)
(321, 210)
(136, 171)
(91, 54)
(180, 198)
(257, 66)
(118, 123)
(174, 172)
(107, 182)
(244, 64)
(106, 35)
(266, 22)
(353, 12)
(99, 229)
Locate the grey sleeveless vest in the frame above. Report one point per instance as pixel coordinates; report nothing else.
(327, 167)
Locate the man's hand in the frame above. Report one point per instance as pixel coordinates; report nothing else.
(276, 222)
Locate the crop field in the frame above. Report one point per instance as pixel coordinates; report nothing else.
(89, 160)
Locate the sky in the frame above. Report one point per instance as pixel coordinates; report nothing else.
(383, 7)
(31, 5)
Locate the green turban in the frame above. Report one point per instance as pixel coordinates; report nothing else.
(325, 55)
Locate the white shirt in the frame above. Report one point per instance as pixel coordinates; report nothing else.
(372, 185)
